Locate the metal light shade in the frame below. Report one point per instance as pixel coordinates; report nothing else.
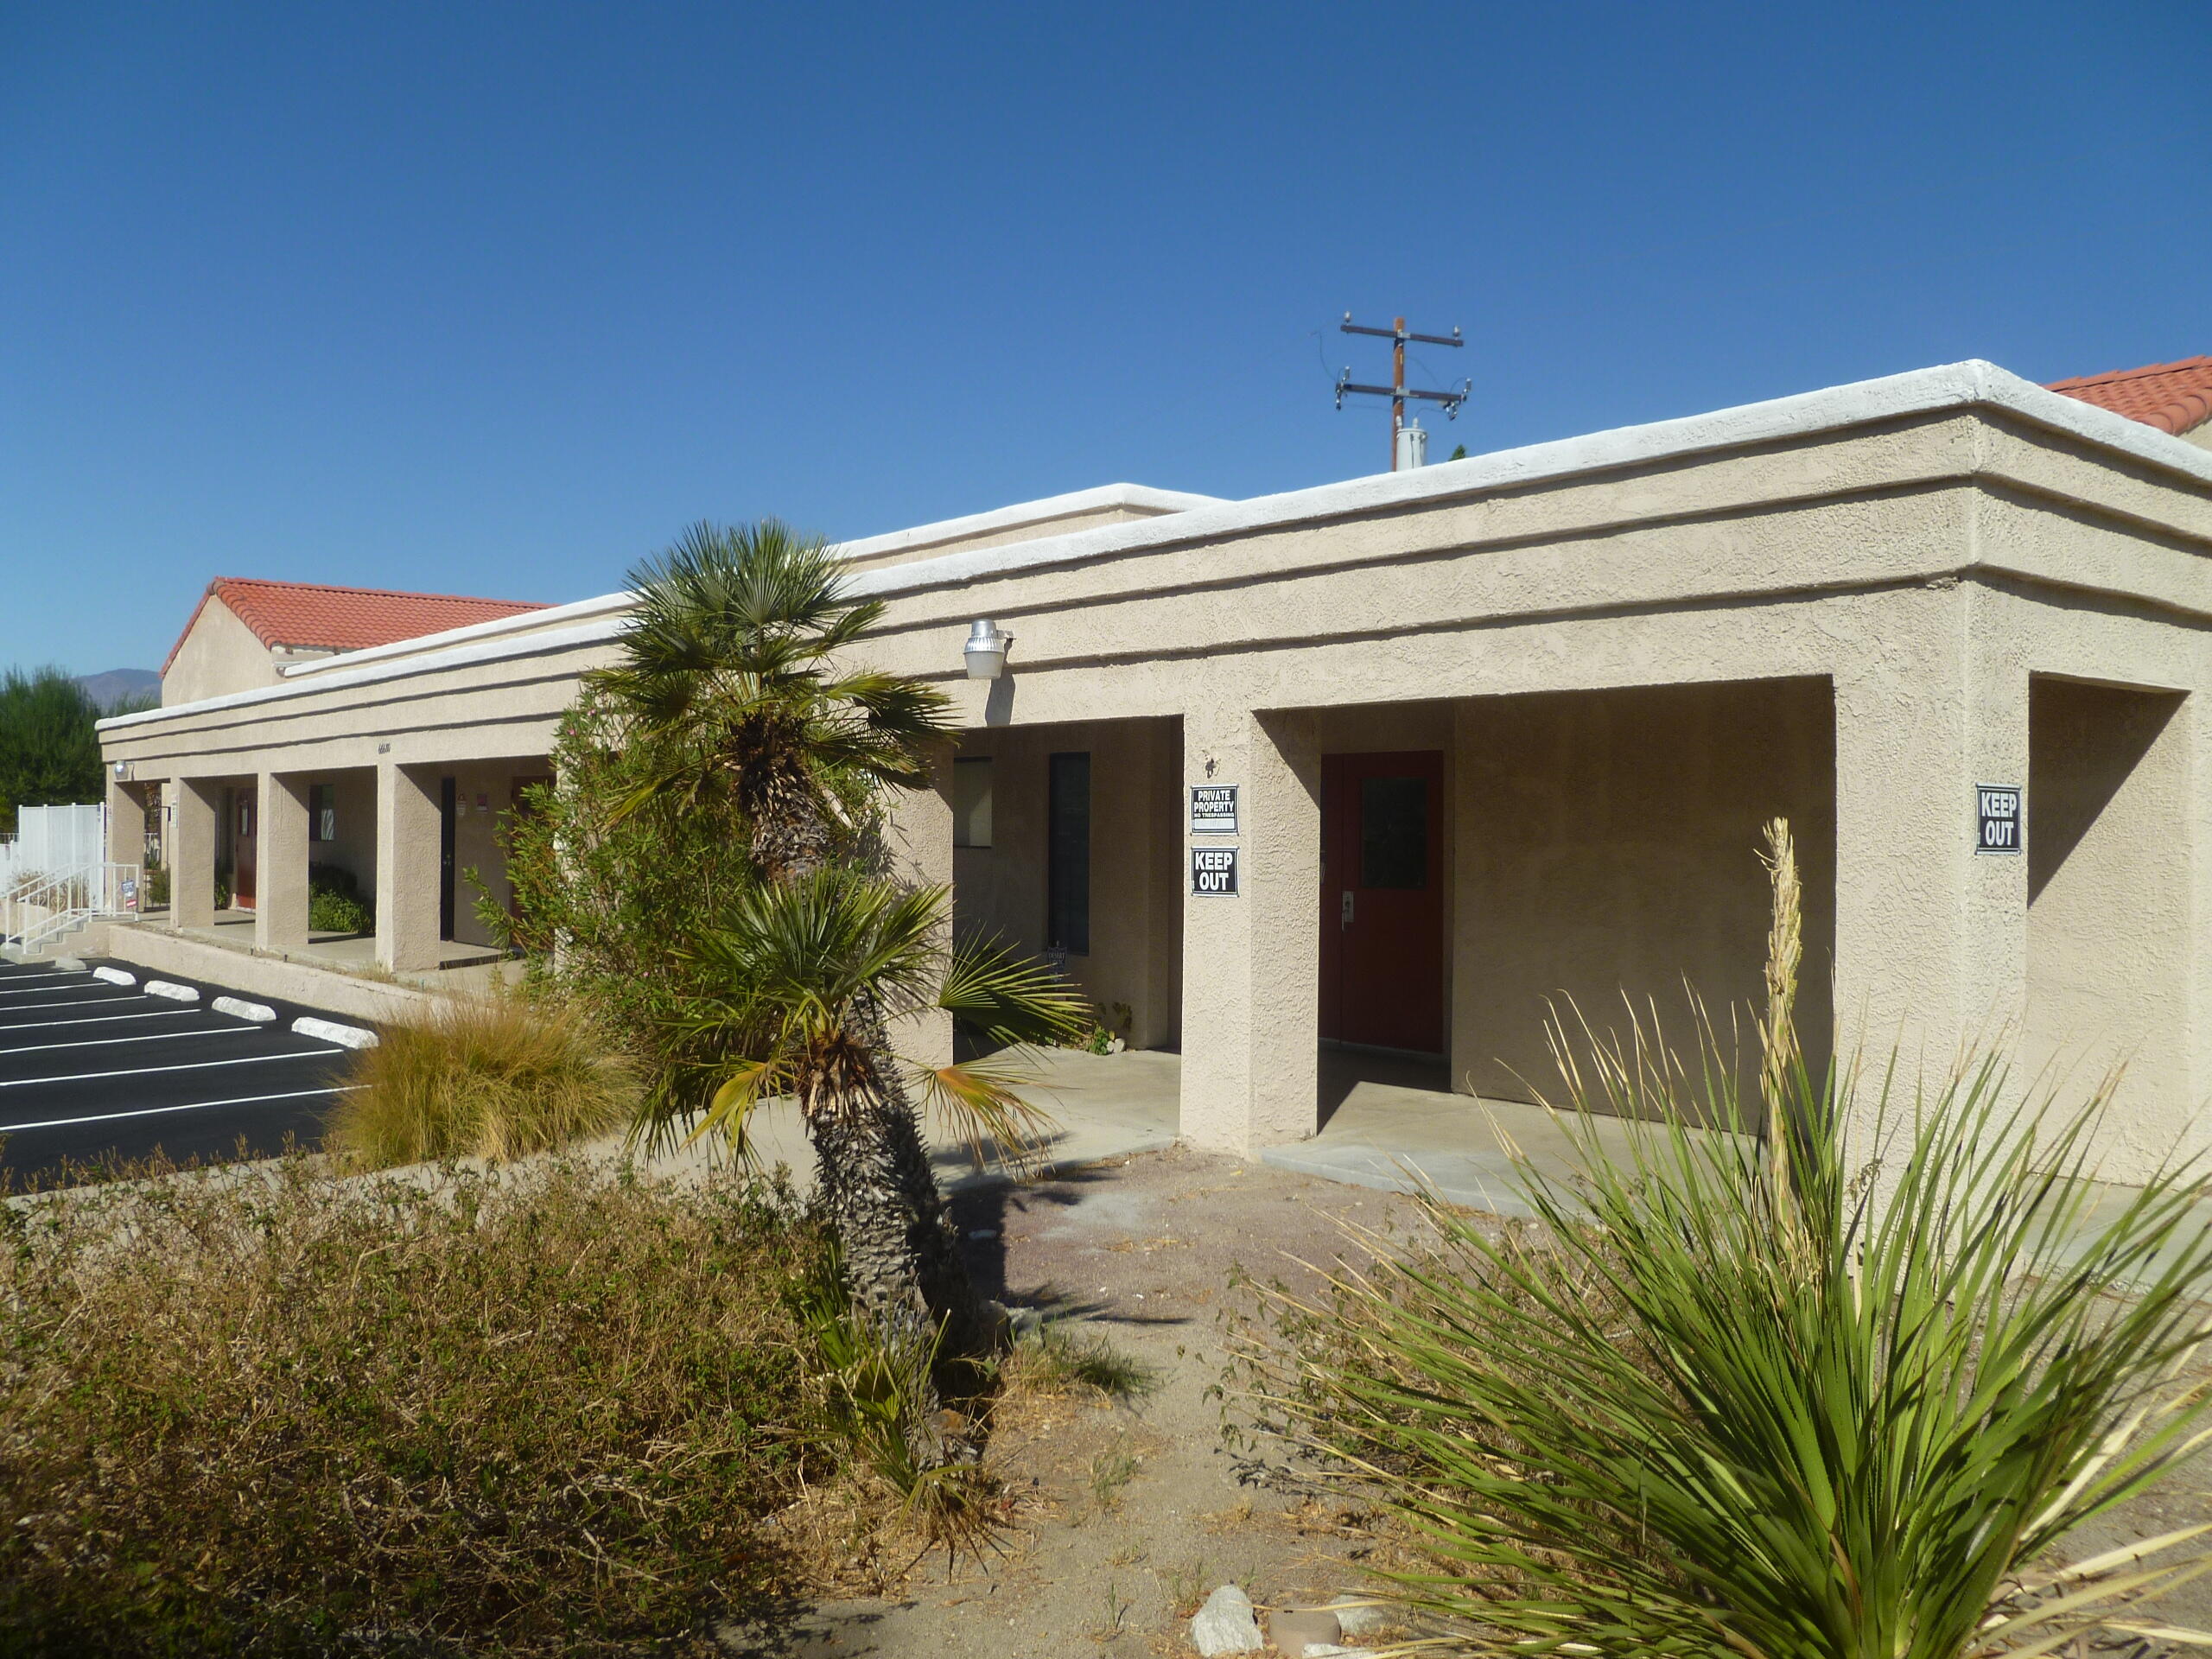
(986, 649)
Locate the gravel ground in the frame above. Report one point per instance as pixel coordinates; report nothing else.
(1129, 1514)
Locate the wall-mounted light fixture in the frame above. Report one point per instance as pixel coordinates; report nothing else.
(121, 770)
(986, 649)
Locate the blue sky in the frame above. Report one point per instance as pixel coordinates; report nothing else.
(494, 300)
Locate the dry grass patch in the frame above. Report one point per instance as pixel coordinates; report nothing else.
(536, 1410)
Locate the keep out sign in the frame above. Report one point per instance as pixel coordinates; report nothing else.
(1213, 872)
(1997, 816)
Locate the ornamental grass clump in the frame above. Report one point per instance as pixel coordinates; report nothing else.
(1842, 1391)
(494, 1076)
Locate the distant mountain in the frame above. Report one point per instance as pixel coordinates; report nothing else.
(119, 685)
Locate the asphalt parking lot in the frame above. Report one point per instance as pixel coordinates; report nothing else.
(91, 1071)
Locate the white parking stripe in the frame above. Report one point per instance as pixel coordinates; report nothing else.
(18, 979)
(96, 1019)
(195, 1106)
(89, 1002)
(45, 990)
(110, 1042)
(157, 1071)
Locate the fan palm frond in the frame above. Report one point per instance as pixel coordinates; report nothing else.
(1007, 998)
(979, 1101)
(728, 671)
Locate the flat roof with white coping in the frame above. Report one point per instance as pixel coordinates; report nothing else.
(1131, 498)
(1954, 385)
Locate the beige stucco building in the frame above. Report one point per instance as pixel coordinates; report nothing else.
(1500, 731)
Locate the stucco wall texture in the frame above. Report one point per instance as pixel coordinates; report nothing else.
(218, 655)
(1851, 607)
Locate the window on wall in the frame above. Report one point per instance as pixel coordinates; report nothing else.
(971, 803)
(1067, 886)
(322, 812)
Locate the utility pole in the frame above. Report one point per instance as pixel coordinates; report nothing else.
(1398, 392)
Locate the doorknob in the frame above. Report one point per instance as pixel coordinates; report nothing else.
(1345, 916)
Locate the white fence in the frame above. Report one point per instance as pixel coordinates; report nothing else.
(53, 840)
(54, 874)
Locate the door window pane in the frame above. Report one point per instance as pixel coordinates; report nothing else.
(1394, 832)
(971, 803)
(1067, 894)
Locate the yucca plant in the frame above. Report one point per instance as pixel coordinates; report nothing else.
(1728, 1395)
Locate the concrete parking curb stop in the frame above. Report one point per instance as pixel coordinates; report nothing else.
(260, 1012)
(115, 977)
(331, 1031)
(175, 992)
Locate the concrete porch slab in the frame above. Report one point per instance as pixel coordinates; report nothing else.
(1103, 1107)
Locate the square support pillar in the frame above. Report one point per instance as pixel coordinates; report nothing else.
(407, 854)
(1252, 961)
(189, 846)
(917, 844)
(126, 820)
(280, 917)
(1930, 935)
(125, 851)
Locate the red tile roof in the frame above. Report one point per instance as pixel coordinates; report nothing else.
(308, 614)
(2172, 397)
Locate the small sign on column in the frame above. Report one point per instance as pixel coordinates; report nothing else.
(1213, 809)
(1997, 816)
(1213, 872)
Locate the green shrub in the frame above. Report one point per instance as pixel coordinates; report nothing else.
(1731, 1395)
(487, 1076)
(157, 884)
(334, 901)
(541, 1410)
(881, 1401)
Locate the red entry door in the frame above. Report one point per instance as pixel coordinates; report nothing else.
(1383, 899)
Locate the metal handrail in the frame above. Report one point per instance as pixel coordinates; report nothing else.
(35, 912)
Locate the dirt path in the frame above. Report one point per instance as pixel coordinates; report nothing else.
(1129, 1514)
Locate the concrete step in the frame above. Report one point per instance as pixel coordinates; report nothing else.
(57, 944)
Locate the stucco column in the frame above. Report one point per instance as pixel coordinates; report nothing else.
(917, 842)
(407, 867)
(189, 846)
(1252, 963)
(280, 917)
(2198, 793)
(127, 839)
(126, 820)
(1930, 935)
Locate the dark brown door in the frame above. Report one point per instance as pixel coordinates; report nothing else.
(244, 861)
(1383, 899)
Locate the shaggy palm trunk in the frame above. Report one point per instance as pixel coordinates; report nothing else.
(902, 1257)
(902, 1254)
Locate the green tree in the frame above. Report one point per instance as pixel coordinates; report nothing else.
(50, 750)
(736, 708)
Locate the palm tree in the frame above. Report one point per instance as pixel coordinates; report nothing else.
(733, 692)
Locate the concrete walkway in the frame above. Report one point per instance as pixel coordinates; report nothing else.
(1102, 1106)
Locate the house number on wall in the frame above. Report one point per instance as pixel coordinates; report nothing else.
(1996, 812)
(1213, 872)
